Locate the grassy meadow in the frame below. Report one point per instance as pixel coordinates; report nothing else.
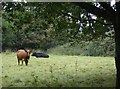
(58, 71)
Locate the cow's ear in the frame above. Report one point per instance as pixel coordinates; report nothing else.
(30, 51)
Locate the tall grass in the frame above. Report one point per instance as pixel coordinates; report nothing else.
(58, 71)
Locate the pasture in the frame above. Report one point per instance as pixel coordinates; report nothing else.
(58, 71)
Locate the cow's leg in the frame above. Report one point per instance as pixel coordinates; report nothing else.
(26, 62)
(18, 62)
(22, 62)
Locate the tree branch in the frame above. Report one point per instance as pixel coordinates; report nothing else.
(96, 11)
(82, 21)
(107, 6)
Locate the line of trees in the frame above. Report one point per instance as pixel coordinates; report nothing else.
(34, 25)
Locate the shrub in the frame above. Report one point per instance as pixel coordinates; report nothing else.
(103, 47)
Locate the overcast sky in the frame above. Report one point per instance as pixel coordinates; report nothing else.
(112, 2)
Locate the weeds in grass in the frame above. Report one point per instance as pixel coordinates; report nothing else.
(65, 71)
(17, 81)
(76, 67)
(35, 79)
(51, 71)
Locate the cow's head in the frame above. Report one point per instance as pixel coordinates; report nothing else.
(28, 53)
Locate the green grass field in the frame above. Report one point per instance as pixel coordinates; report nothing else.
(58, 71)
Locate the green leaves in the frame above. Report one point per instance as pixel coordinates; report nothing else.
(53, 21)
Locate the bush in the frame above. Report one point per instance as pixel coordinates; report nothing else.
(93, 48)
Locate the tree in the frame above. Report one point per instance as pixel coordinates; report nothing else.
(113, 16)
(22, 27)
(15, 21)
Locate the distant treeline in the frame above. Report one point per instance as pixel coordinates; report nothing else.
(103, 47)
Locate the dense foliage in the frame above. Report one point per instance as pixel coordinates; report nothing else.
(45, 25)
(103, 47)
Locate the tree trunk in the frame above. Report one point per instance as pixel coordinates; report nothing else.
(117, 45)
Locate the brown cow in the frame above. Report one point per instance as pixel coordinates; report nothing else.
(23, 55)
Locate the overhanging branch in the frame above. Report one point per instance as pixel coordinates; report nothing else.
(96, 11)
(82, 21)
(107, 6)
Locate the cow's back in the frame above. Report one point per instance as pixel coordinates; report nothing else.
(21, 54)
